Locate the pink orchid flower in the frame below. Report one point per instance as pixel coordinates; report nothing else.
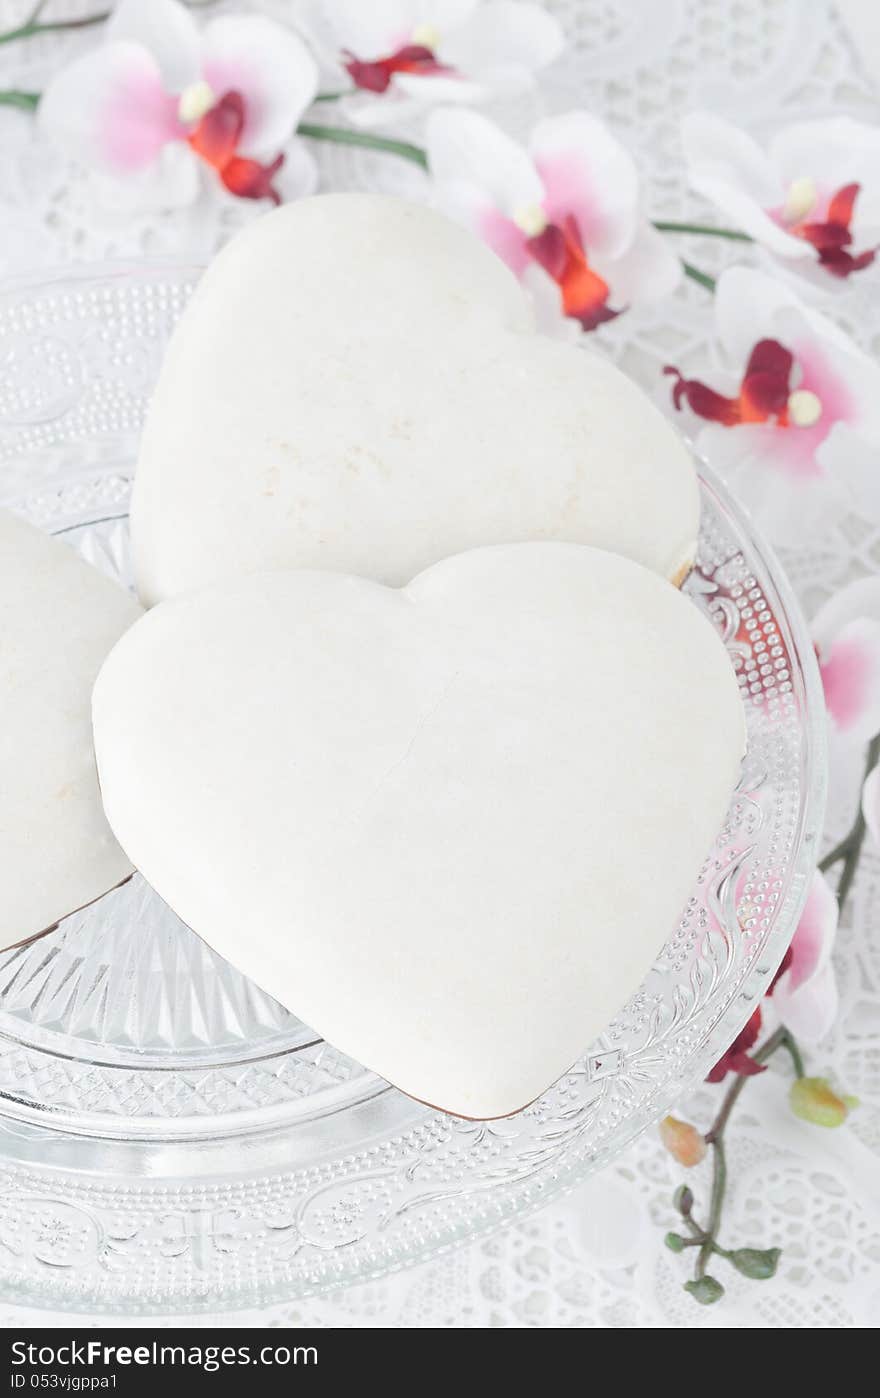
(404, 54)
(846, 635)
(159, 99)
(804, 992)
(795, 418)
(812, 197)
(563, 213)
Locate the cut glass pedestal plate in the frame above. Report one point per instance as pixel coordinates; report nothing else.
(170, 1138)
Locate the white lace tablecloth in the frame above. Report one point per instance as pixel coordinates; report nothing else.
(597, 1258)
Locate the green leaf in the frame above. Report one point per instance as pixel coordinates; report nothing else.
(757, 1263)
(683, 1200)
(674, 1241)
(706, 1290)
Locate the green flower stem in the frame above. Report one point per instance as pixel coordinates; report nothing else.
(719, 1185)
(780, 1039)
(345, 136)
(35, 25)
(706, 230)
(696, 275)
(27, 101)
(849, 849)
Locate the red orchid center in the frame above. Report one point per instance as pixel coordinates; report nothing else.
(418, 58)
(765, 394)
(559, 249)
(832, 236)
(216, 138)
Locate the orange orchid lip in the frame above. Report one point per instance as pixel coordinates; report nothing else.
(559, 249)
(832, 236)
(763, 394)
(376, 75)
(215, 139)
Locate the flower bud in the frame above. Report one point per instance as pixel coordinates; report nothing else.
(683, 1141)
(683, 1200)
(814, 1099)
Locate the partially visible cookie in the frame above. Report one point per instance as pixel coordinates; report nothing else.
(59, 617)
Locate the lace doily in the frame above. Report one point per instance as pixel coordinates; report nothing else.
(596, 1258)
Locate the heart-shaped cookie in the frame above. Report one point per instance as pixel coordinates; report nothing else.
(357, 385)
(449, 826)
(58, 619)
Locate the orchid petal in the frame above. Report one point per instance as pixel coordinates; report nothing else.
(871, 804)
(805, 995)
(466, 149)
(745, 304)
(502, 36)
(172, 181)
(719, 148)
(108, 110)
(437, 88)
(834, 153)
(814, 936)
(472, 208)
(750, 305)
(444, 15)
(853, 460)
(811, 1011)
(392, 109)
(729, 169)
(850, 669)
(298, 176)
(857, 601)
(167, 30)
(589, 174)
(550, 317)
(846, 632)
(272, 69)
(373, 30)
(647, 272)
(790, 506)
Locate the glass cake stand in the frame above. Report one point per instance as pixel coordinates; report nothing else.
(172, 1139)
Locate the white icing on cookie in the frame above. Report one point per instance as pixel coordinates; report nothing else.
(58, 619)
(357, 385)
(449, 826)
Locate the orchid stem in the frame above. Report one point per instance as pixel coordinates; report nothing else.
(696, 275)
(27, 101)
(719, 1185)
(781, 1038)
(35, 25)
(344, 136)
(849, 849)
(665, 225)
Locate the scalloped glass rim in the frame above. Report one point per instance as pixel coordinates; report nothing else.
(68, 423)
